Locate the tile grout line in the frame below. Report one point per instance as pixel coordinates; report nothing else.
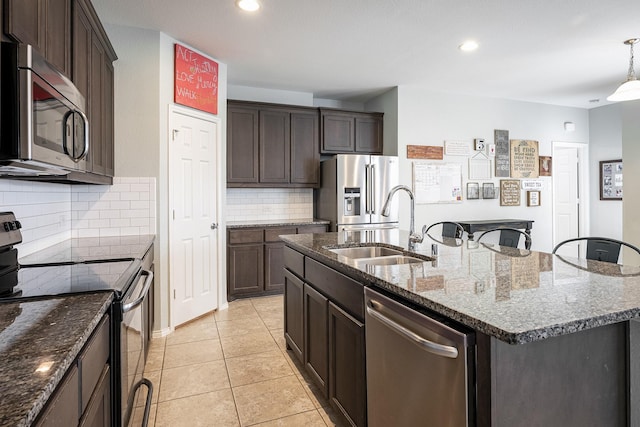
(224, 358)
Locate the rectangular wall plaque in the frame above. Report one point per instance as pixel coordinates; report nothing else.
(502, 153)
(424, 152)
(457, 148)
(532, 184)
(509, 192)
(524, 159)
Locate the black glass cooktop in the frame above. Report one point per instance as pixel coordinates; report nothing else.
(75, 278)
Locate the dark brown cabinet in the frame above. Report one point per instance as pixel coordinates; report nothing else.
(315, 330)
(44, 24)
(255, 259)
(293, 317)
(347, 376)
(351, 132)
(93, 76)
(272, 146)
(324, 311)
(84, 396)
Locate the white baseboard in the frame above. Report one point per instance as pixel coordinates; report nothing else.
(161, 333)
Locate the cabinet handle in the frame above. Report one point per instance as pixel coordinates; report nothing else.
(430, 346)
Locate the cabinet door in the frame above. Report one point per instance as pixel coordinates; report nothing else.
(63, 409)
(337, 133)
(25, 21)
(245, 273)
(274, 266)
(58, 34)
(316, 338)
(274, 151)
(293, 314)
(242, 145)
(98, 413)
(347, 384)
(107, 118)
(369, 134)
(81, 49)
(305, 150)
(96, 107)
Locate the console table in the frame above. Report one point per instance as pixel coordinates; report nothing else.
(473, 226)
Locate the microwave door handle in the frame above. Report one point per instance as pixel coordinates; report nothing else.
(85, 121)
(147, 284)
(66, 133)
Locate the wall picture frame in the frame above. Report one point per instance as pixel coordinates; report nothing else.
(533, 198)
(473, 190)
(488, 190)
(611, 179)
(545, 165)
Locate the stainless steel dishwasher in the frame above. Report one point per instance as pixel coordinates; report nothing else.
(420, 368)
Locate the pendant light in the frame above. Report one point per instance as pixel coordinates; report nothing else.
(630, 89)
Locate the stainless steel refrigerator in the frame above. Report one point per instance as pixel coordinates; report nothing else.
(353, 189)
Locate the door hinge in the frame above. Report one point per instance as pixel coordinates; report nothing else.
(174, 132)
(174, 294)
(174, 214)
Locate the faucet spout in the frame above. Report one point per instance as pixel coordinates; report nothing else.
(413, 237)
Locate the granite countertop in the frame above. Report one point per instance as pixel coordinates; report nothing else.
(276, 223)
(34, 332)
(92, 249)
(517, 296)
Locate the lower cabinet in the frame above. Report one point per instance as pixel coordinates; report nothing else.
(324, 328)
(255, 259)
(84, 396)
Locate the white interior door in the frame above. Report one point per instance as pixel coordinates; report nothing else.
(566, 190)
(193, 224)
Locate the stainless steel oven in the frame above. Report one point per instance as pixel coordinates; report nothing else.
(131, 310)
(44, 127)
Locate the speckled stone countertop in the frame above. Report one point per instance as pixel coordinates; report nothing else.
(276, 223)
(36, 331)
(92, 248)
(515, 295)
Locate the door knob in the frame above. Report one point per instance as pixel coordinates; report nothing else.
(214, 225)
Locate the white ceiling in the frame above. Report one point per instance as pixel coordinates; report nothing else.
(563, 52)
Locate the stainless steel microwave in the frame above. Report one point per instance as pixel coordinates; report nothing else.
(44, 129)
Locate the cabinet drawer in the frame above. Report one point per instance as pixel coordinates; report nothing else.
(346, 292)
(237, 237)
(92, 360)
(271, 234)
(294, 261)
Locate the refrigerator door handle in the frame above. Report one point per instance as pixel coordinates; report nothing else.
(367, 184)
(373, 189)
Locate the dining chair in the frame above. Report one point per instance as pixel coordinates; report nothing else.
(600, 248)
(449, 229)
(509, 237)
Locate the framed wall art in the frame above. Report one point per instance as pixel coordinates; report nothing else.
(533, 198)
(488, 190)
(509, 192)
(545, 165)
(611, 179)
(473, 190)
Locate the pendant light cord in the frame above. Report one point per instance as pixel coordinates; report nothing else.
(632, 72)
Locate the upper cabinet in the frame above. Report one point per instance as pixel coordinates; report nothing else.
(351, 132)
(272, 145)
(71, 37)
(44, 24)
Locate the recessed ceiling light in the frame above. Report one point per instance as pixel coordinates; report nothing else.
(248, 5)
(468, 46)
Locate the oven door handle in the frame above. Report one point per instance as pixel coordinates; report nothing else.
(147, 284)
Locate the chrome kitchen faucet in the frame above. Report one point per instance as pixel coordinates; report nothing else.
(413, 237)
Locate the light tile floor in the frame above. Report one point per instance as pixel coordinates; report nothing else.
(231, 368)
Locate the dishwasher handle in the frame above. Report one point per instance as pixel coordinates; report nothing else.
(147, 284)
(425, 344)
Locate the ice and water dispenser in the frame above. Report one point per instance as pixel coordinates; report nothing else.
(352, 201)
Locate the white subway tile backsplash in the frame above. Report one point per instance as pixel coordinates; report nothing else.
(249, 204)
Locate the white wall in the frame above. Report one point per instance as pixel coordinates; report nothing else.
(387, 103)
(605, 143)
(631, 172)
(430, 118)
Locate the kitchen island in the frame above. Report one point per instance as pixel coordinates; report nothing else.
(556, 343)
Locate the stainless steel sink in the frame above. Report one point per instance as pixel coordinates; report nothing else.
(366, 252)
(389, 260)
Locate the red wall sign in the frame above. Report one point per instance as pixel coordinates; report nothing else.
(196, 80)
